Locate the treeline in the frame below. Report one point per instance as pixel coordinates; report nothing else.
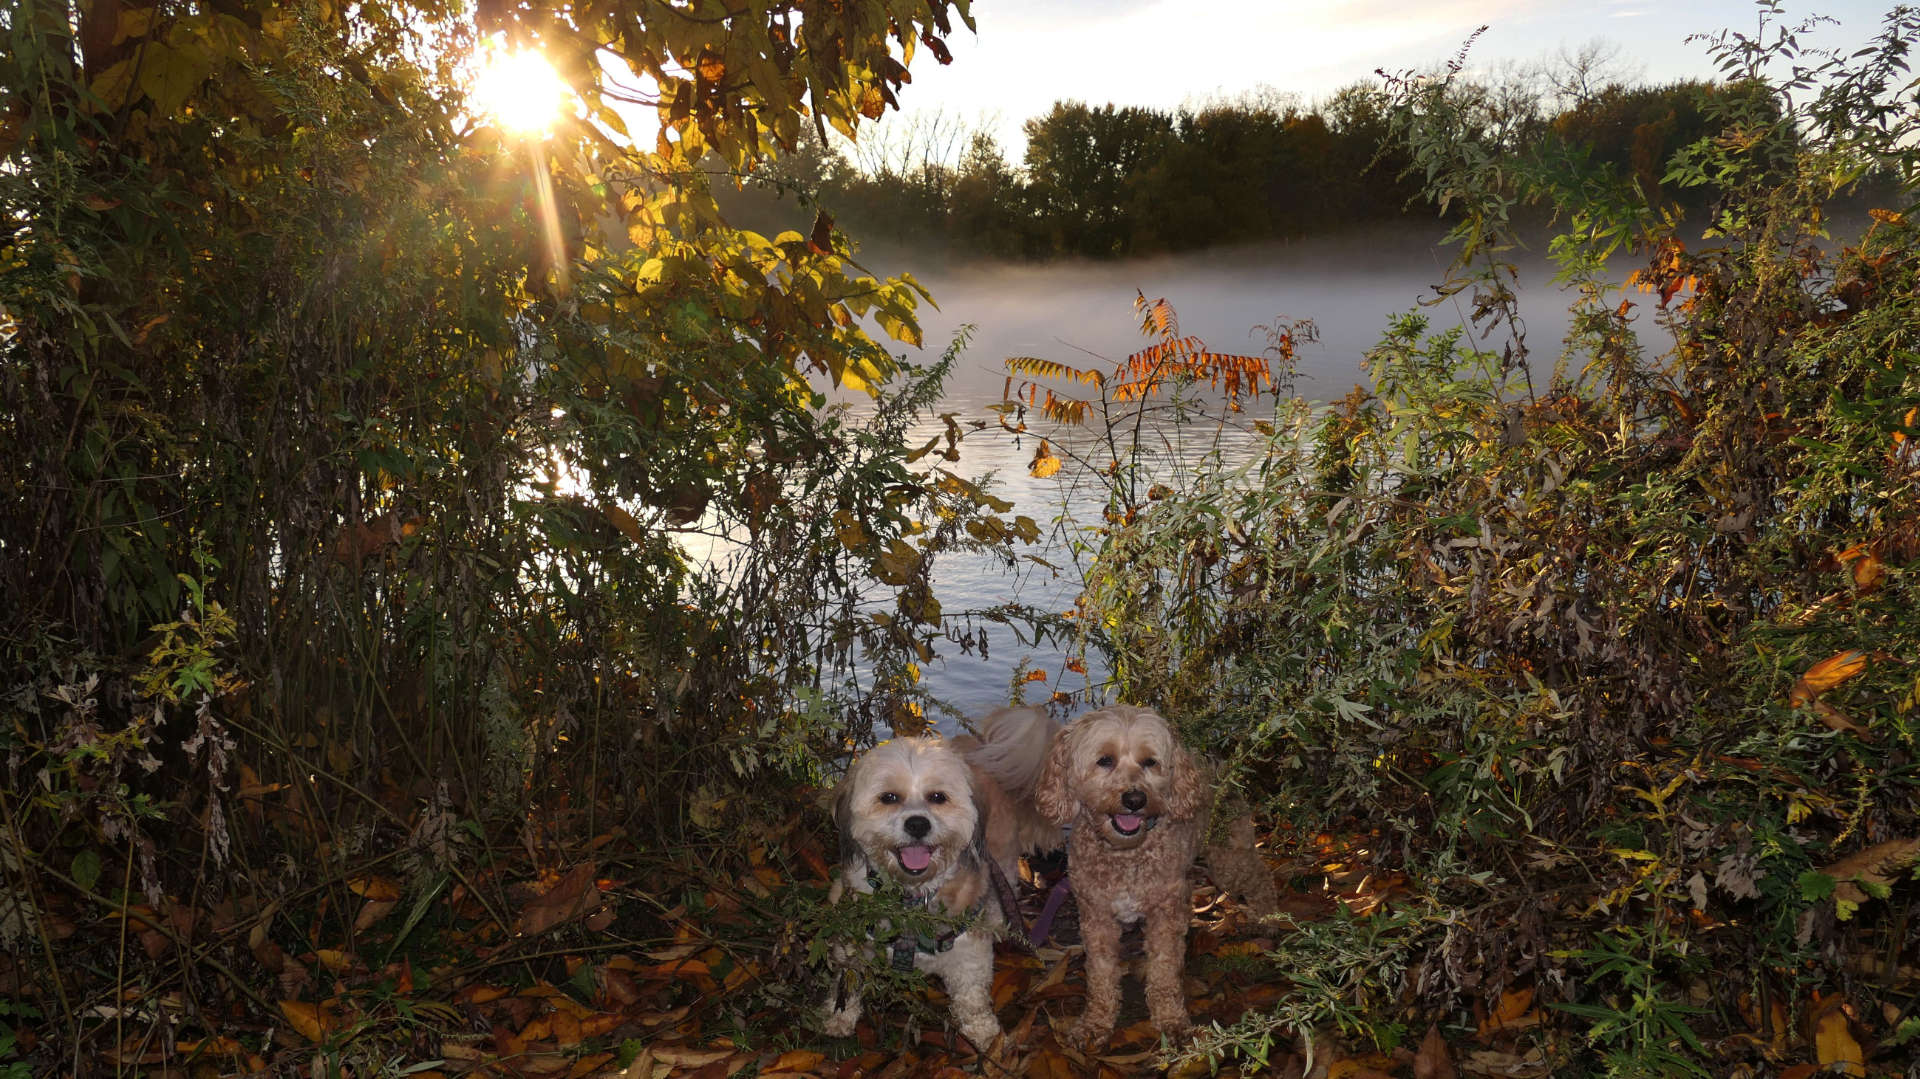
(1110, 181)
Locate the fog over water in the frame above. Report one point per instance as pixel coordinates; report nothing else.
(1076, 311)
(1081, 313)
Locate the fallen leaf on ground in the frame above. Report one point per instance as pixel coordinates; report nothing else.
(310, 1020)
(1515, 1012)
(570, 897)
(1433, 1061)
(1833, 1040)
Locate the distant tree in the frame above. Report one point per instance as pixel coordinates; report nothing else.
(922, 142)
(1635, 131)
(786, 191)
(1210, 185)
(1079, 162)
(1369, 169)
(1579, 75)
(1305, 189)
(987, 203)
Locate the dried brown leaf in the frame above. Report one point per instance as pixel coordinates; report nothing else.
(570, 897)
(1434, 1060)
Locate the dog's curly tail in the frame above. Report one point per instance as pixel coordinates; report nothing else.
(1012, 746)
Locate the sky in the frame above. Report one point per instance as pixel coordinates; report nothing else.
(1028, 54)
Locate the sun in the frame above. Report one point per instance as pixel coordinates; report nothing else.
(520, 91)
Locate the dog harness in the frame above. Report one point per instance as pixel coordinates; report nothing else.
(904, 947)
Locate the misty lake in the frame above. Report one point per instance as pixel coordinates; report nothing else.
(1081, 313)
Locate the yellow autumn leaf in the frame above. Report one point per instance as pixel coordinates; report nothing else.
(1868, 572)
(1834, 1043)
(382, 888)
(622, 520)
(334, 959)
(1044, 462)
(852, 536)
(308, 1019)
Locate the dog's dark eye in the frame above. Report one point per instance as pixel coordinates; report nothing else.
(888, 798)
(938, 798)
(1150, 762)
(1106, 761)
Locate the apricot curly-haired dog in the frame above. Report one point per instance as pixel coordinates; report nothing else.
(1136, 801)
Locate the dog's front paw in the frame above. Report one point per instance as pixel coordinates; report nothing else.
(1088, 1037)
(840, 1024)
(982, 1034)
(1174, 1027)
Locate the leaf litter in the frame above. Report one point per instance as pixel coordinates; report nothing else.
(591, 966)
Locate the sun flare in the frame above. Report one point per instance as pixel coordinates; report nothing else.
(521, 92)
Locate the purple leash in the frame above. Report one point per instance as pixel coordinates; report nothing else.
(1044, 923)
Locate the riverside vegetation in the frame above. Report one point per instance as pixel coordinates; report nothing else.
(366, 712)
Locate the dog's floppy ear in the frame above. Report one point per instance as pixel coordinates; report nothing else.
(1051, 795)
(843, 820)
(1189, 794)
(979, 800)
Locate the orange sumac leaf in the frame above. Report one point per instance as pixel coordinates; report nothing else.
(1156, 316)
(589, 1065)
(1827, 674)
(1868, 572)
(1514, 1012)
(1881, 864)
(1064, 409)
(570, 897)
(1836, 720)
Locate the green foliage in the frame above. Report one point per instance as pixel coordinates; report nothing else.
(1345, 972)
(848, 950)
(11, 1068)
(384, 478)
(1614, 661)
(1104, 181)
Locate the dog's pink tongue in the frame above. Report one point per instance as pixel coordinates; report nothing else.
(1127, 822)
(915, 858)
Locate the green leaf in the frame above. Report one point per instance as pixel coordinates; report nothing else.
(1815, 886)
(86, 869)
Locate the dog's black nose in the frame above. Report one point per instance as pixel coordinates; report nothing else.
(1134, 800)
(917, 827)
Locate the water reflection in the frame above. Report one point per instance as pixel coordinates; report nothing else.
(1081, 314)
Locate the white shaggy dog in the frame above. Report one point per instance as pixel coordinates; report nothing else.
(929, 816)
